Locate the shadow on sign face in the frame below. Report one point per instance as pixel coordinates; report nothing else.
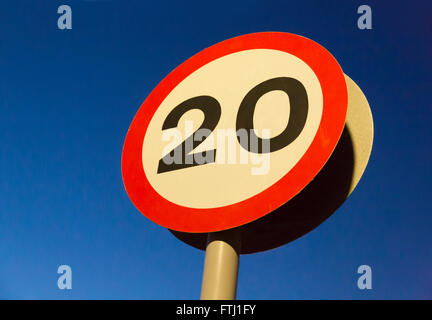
(303, 213)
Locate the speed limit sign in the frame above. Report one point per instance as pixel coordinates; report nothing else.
(234, 132)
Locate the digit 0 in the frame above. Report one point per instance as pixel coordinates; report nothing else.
(297, 118)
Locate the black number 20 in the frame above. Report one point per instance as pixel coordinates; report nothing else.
(212, 112)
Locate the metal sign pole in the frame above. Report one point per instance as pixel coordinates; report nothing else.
(221, 265)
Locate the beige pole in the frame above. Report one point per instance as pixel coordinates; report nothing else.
(221, 265)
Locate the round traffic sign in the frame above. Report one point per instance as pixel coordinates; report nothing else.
(234, 132)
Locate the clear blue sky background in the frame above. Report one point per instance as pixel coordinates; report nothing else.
(67, 98)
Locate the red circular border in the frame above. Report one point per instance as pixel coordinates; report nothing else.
(180, 218)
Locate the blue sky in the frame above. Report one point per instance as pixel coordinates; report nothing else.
(67, 98)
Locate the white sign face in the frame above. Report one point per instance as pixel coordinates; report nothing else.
(235, 174)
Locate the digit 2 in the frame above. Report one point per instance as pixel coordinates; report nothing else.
(212, 112)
